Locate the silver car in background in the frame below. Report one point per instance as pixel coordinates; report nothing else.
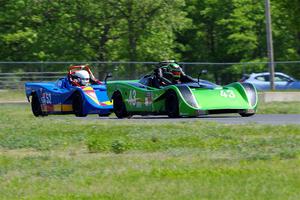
(262, 81)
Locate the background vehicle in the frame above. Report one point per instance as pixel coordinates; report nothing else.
(186, 99)
(262, 81)
(63, 96)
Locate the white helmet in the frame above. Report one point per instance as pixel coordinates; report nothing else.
(84, 77)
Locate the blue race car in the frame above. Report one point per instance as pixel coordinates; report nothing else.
(79, 93)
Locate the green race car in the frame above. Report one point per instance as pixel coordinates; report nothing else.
(155, 95)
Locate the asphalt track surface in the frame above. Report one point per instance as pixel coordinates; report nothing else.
(271, 119)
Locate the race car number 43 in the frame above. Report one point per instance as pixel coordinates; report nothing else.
(227, 94)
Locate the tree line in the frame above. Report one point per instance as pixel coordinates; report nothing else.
(149, 30)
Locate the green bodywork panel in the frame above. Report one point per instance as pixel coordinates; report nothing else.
(139, 98)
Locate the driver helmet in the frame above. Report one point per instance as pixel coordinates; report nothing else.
(83, 77)
(175, 70)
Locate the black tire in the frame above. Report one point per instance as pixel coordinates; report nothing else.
(172, 106)
(246, 114)
(119, 106)
(77, 105)
(36, 106)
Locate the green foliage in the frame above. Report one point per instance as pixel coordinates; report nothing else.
(128, 30)
(92, 30)
(234, 30)
(118, 146)
(246, 25)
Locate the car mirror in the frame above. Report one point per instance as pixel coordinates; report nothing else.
(108, 75)
(203, 71)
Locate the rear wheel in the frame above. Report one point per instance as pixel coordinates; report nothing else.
(119, 106)
(77, 105)
(171, 104)
(36, 106)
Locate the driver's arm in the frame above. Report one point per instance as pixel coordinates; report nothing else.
(165, 81)
(95, 81)
(159, 75)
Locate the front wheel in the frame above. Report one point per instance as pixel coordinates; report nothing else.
(36, 106)
(171, 104)
(246, 114)
(77, 105)
(119, 106)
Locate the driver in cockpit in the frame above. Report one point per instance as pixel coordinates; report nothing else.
(171, 73)
(82, 76)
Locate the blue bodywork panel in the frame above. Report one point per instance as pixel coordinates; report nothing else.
(57, 97)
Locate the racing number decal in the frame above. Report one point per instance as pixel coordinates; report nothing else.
(227, 94)
(148, 99)
(132, 97)
(138, 102)
(46, 98)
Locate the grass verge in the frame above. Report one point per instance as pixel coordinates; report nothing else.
(12, 95)
(279, 108)
(63, 157)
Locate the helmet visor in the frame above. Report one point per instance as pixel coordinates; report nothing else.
(85, 81)
(176, 73)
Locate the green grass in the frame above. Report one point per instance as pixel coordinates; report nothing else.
(279, 108)
(63, 157)
(12, 95)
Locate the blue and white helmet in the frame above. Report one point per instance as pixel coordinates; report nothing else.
(83, 76)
